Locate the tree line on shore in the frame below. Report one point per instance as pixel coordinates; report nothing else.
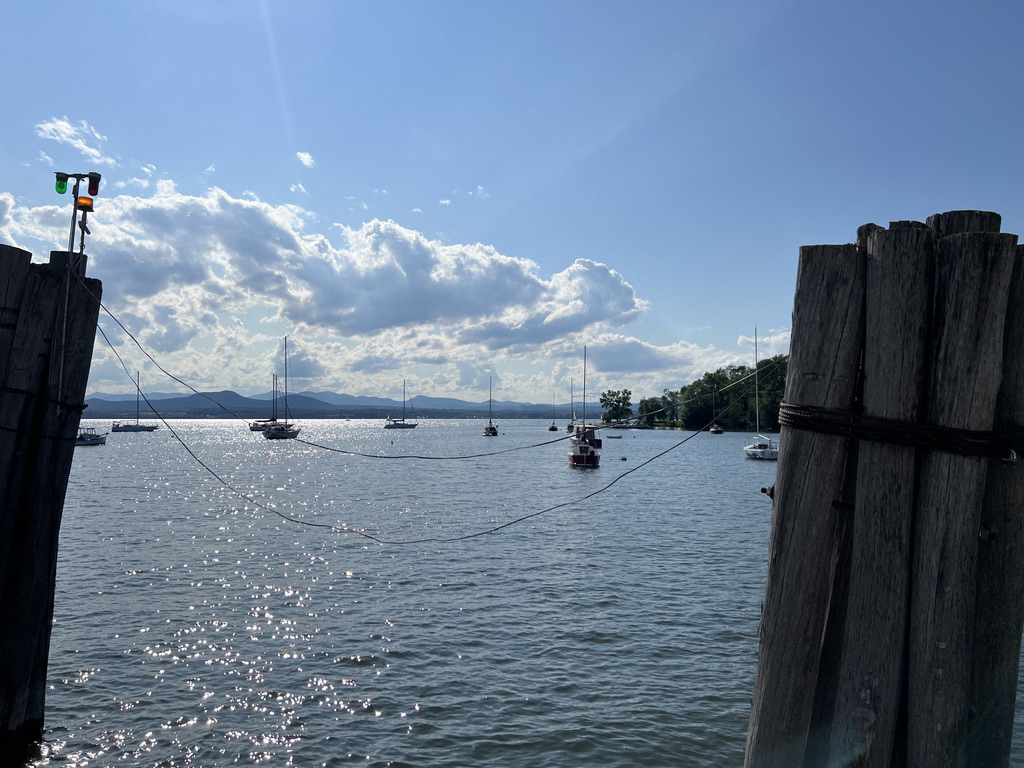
(725, 396)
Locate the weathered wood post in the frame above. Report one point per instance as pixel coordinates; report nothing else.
(807, 529)
(48, 316)
(999, 607)
(896, 330)
(973, 272)
(913, 661)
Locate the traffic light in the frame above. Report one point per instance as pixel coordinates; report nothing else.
(94, 183)
(84, 204)
(62, 182)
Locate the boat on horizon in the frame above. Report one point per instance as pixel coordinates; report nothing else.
(281, 430)
(126, 426)
(390, 423)
(490, 430)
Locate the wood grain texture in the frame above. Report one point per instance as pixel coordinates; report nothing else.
(872, 663)
(49, 352)
(824, 358)
(999, 607)
(972, 279)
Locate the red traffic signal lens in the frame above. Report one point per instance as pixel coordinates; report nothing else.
(94, 183)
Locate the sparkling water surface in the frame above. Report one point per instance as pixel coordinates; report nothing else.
(196, 628)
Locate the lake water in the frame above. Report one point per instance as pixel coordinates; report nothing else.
(195, 628)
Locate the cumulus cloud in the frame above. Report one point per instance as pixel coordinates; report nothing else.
(306, 159)
(206, 280)
(79, 136)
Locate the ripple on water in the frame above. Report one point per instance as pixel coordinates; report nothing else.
(195, 629)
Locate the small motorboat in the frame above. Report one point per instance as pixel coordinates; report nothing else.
(89, 436)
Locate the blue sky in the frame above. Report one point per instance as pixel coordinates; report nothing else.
(449, 190)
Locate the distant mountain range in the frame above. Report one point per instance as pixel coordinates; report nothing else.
(308, 405)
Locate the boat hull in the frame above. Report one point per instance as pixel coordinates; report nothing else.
(116, 427)
(584, 461)
(398, 425)
(281, 431)
(763, 450)
(88, 436)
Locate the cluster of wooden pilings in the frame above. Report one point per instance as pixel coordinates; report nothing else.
(894, 604)
(48, 318)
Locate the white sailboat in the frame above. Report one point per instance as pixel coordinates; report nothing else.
(490, 430)
(133, 426)
(390, 423)
(762, 448)
(275, 429)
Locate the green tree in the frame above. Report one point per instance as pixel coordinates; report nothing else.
(616, 404)
(670, 405)
(650, 410)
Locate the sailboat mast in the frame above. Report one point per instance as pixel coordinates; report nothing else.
(757, 393)
(584, 385)
(138, 391)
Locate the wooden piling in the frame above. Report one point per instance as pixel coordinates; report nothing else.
(971, 290)
(48, 316)
(913, 662)
(897, 315)
(999, 609)
(806, 525)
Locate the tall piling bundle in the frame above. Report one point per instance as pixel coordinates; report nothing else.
(892, 616)
(48, 316)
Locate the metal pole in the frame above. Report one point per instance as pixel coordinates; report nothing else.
(74, 213)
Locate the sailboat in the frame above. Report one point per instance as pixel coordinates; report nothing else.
(258, 425)
(584, 445)
(390, 423)
(762, 447)
(128, 426)
(490, 430)
(714, 429)
(281, 430)
(552, 428)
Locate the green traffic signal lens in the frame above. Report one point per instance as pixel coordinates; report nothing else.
(62, 186)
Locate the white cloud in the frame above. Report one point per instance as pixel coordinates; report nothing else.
(211, 282)
(134, 182)
(298, 188)
(444, 201)
(306, 159)
(81, 137)
(209, 170)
